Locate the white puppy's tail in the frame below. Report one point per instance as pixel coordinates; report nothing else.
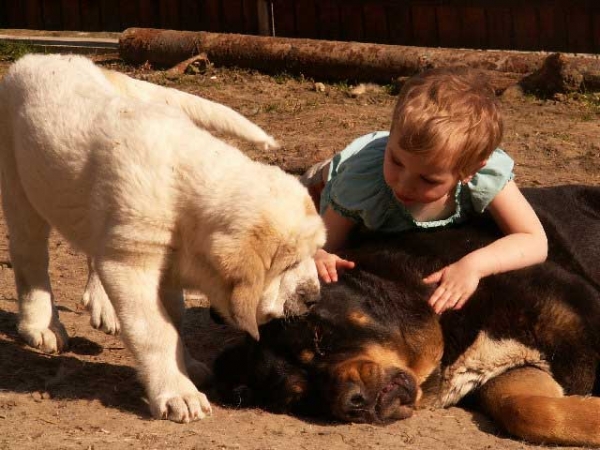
(204, 113)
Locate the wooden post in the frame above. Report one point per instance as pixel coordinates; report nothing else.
(332, 60)
(266, 25)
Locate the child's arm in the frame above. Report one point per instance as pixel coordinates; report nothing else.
(525, 244)
(338, 229)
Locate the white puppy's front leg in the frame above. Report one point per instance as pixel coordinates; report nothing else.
(38, 318)
(102, 314)
(152, 336)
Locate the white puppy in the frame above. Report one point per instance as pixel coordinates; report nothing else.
(121, 169)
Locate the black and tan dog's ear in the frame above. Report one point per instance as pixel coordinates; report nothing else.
(253, 375)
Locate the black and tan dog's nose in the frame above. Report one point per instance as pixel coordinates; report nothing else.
(355, 404)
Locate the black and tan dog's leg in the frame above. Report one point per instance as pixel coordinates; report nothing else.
(530, 404)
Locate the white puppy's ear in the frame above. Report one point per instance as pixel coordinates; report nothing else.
(245, 299)
(243, 260)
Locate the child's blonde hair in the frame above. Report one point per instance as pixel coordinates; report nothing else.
(451, 111)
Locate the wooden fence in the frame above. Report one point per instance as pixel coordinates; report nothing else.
(554, 25)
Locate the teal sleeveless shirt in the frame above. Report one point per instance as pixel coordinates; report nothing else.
(357, 190)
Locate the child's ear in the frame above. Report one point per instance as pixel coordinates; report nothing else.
(481, 165)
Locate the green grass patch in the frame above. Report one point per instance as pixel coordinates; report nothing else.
(11, 51)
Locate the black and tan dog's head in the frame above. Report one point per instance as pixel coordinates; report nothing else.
(357, 356)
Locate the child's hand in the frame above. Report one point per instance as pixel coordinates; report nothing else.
(328, 265)
(457, 282)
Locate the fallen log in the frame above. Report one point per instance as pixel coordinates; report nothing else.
(329, 60)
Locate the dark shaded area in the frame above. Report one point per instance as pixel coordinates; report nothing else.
(64, 376)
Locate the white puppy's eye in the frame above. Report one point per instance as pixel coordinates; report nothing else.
(292, 266)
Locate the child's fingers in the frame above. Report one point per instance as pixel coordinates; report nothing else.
(453, 301)
(435, 297)
(332, 271)
(463, 299)
(344, 263)
(323, 272)
(461, 302)
(434, 277)
(444, 300)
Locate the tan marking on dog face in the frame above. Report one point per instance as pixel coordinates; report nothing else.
(306, 356)
(359, 318)
(425, 347)
(369, 365)
(385, 356)
(349, 371)
(295, 387)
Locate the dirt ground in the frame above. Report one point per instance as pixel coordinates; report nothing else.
(89, 398)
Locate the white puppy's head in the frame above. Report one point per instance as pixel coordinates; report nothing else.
(290, 293)
(270, 263)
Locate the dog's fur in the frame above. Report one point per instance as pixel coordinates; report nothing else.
(526, 345)
(123, 169)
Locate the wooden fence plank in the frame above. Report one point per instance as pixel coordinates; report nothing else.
(596, 30)
(51, 15)
(211, 19)
(3, 14)
(250, 11)
(474, 27)
(148, 13)
(351, 22)
(110, 15)
(579, 24)
(499, 24)
(306, 18)
(399, 23)
(233, 18)
(130, 13)
(328, 19)
(526, 28)
(424, 27)
(90, 15)
(553, 25)
(284, 14)
(190, 15)
(169, 14)
(449, 25)
(552, 36)
(33, 14)
(376, 29)
(15, 14)
(70, 15)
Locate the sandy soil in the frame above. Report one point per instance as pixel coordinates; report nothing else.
(89, 398)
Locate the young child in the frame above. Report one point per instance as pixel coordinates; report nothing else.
(438, 166)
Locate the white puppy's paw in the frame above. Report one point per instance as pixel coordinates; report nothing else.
(53, 339)
(102, 314)
(183, 407)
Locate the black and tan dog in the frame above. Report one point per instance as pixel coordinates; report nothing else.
(527, 345)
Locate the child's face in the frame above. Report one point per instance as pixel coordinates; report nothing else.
(416, 178)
